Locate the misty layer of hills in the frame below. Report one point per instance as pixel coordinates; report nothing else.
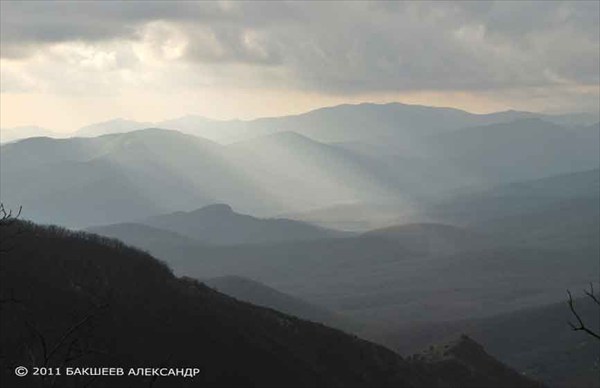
(18, 133)
(406, 225)
(120, 306)
(393, 154)
(343, 123)
(378, 278)
(389, 280)
(216, 225)
(549, 242)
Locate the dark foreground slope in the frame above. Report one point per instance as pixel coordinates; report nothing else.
(537, 341)
(465, 363)
(80, 300)
(141, 315)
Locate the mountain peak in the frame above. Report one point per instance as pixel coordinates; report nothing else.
(465, 345)
(464, 357)
(215, 209)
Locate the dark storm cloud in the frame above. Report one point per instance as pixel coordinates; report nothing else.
(345, 47)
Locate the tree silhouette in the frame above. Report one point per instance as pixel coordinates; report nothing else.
(7, 219)
(581, 325)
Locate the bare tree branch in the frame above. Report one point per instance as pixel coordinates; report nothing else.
(580, 326)
(7, 219)
(6, 216)
(590, 293)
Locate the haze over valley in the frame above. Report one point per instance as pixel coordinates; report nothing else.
(354, 232)
(300, 194)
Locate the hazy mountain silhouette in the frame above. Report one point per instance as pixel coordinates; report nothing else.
(519, 197)
(224, 132)
(288, 160)
(114, 178)
(374, 278)
(112, 126)
(337, 123)
(18, 133)
(121, 306)
(146, 172)
(389, 124)
(573, 224)
(171, 171)
(219, 224)
(386, 122)
(519, 150)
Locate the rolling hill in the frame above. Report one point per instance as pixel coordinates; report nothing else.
(23, 132)
(374, 278)
(158, 171)
(215, 224)
(218, 224)
(112, 178)
(412, 155)
(393, 122)
(517, 198)
(111, 127)
(560, 211)
(330, 124)
(519, 150)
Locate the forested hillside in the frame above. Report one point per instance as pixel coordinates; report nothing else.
(79, 299)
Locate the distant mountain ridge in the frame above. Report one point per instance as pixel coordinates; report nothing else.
(432, 237)
(291, 168)
(121, 177)
(229, 131)
(341, 122)
(218, 224)
(112, 126)
(22, 132)
(379, 277)
(518, 197)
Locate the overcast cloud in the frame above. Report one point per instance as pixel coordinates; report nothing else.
(507, 48)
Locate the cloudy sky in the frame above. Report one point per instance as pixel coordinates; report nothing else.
(67, 64)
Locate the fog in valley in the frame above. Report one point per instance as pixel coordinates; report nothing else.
(347, 218)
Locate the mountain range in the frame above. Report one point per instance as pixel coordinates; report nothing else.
(340, 123)
(24, 132)
(406, 225)
(371, 276)
(295, 167)
(217, 224)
